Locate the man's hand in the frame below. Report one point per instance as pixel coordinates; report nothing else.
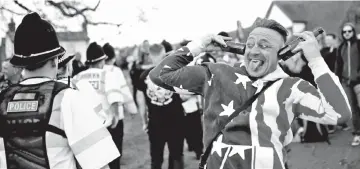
(207, 44)
(145, 126)
(109, 121)
(114, 122)
(295, 63)
(310, 47)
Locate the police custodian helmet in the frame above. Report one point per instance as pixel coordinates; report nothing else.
(35, 42)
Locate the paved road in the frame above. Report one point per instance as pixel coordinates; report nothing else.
(338, 155)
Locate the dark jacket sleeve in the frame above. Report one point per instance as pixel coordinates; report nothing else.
(174, 74)
(339, 63)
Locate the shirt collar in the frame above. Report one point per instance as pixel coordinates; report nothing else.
(277, 74)
(35, 80)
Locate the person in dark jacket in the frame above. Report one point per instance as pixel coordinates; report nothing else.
(329, 51)
(139, 66)
(347, 69)
(162, 115)
(77, 65)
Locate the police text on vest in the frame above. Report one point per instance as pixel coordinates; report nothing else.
(22, 106)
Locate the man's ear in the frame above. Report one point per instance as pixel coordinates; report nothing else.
(53, 62)
(281, 46)
(18, 70)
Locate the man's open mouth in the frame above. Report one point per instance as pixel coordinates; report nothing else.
(255, 64)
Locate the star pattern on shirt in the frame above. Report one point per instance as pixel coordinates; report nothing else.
(242, 64)
(239, 150)
(181, 49)
(218, 146)
(242, 79)
(181, 90)
(228, 110)
(209, 82)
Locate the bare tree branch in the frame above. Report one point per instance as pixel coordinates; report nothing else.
(22, 6)
(103, 23)
(66, 8)
(11, 11)
(63, 5)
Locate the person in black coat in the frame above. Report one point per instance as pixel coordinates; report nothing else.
(329, 51)
(347, 69)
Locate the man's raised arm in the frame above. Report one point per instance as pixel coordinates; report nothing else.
(328, 104)
(174, 74)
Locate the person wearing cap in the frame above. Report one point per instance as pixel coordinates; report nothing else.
(77, 65)
(65, 70)
(128, 105)
(42, 121)
(107, 89)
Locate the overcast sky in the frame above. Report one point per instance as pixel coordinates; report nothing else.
(172, 20)
(176, 20)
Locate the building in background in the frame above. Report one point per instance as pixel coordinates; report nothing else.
(307, 15)
(74, 42)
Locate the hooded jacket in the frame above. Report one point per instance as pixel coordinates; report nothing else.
(339, 64)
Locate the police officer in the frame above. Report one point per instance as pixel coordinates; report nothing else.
(128, 105)
(65, 69)
(64, 73)
(44, 124)
(107, 89)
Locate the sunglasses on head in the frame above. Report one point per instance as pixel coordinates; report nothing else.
(347, 31)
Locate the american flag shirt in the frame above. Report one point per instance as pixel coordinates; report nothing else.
(254, 139)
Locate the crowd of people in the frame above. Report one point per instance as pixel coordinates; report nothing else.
(233, 111)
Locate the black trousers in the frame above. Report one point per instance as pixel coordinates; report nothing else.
(117, 135)
(194, 132)
(174, 137)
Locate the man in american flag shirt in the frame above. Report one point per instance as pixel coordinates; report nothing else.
(256, 137)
